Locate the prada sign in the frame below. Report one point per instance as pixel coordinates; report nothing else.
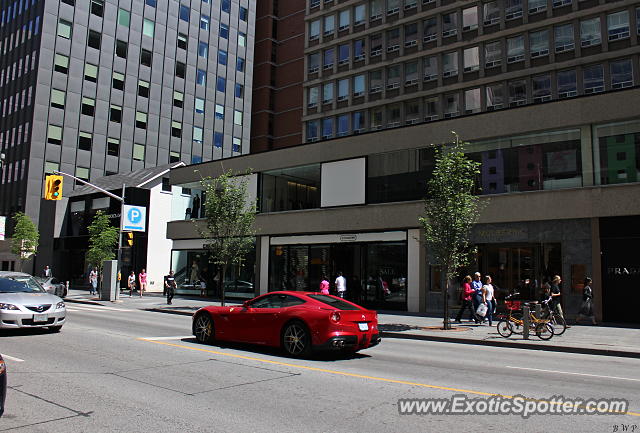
(615, 270)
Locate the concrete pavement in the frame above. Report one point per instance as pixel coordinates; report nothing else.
(607, 340)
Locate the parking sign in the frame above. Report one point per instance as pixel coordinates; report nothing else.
(134, 218)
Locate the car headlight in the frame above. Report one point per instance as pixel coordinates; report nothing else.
(59, 305)
(8, 307)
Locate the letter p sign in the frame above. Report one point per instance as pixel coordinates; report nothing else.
(134, 218)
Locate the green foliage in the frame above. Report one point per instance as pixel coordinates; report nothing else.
(103, 239)
(24, 242)
(228, 230)
(451, 208)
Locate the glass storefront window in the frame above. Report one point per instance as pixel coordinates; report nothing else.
(617, 147)
(290, 189)
(187, 203)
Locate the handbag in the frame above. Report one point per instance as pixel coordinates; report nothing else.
(482, 310)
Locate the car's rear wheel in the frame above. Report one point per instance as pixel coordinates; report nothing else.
(296, 339)
(203, 328)
(55, 328)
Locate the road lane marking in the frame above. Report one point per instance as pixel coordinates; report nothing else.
(569, 372)
(11, 358)
(179, 337)
(95, 308)
(359, 376)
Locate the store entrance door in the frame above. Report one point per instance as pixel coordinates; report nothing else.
(347, 258)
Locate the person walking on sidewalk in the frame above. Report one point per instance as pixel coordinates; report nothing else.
(142, 279)
(556, 295)
(93, 280)
(476, 296)
(341, 285)
(131, 283)
(586, 308)
(48, 272)
(170, 286)
(324, 285)
(488, 298)
(467, 291)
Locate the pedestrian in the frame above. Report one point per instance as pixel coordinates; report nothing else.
(170, 286)
(142, 278)
(488, 298)
(586, 308)
(556, 295)
(476, 296)
(341, 285)
(467, 291)
(324, 285)
(47, 272)
(93, 280)
(131, 283)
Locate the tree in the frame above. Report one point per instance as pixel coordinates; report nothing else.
(451, 210)
(24, 243)
(228, 230)
(103, 238)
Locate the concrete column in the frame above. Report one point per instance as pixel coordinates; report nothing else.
(586, 151)
(596, 263)
(262, 255)
(415, 265)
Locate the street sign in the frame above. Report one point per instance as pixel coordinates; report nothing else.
(134, 218)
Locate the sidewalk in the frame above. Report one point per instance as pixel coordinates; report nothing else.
(607, 340)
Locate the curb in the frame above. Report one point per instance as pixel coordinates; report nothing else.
(82, 301)
(513, 345)
(177, 312)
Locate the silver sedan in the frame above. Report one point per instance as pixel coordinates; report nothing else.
(25, 304)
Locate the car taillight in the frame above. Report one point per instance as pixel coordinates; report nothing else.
(335, 317)
(2, 366)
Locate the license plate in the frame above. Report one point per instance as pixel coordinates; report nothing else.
(363, 326)
(40, 318)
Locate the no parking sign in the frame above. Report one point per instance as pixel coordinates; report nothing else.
(134, 218)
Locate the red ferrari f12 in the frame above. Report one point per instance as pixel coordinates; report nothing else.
(297, 322)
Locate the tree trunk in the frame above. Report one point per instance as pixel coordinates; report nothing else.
(222, 285)
(446, 323)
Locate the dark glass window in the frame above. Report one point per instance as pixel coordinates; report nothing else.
(84, 141)
(180, 69)
(121, 49)
(292, 188)
(221, 84)
(145, 57)
(185, 13)
(225, 5)
(94, 40)
(97, 7)
(243, 13)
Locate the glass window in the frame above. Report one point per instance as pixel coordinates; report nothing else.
(376, 44)
(393, 77)
(472, 101)
(513, 9)
(515, 49)
(94, 39)
(411, 35)
(97, 7)
(564, 38)
(537, 6)
(219, 111)
(181, 69)
(237, 117)
(224, 29)
(358, 49)
(344, 19)
(517, 92)
(358, 121)
(138, 152)
(197, 134)
(328, 58)
(121, 49)
(491, 12)
(621, 73)
(50, 167)
(115, 113)
(618, 25)
(343, 89)
(244, 13)
(471, 59)
(203, 49)
(239, 90)
(541, 88)
(593, 78)
(313, 62)
(185, 13)
(64, 29)
(327, 127)
(201, 77)
(148, 28)
(242, 39)
(327, 93)
(146, 57)
(240, 64)
(312, 97)
(450, 64)
(218, 139)
(411, 73)
(358, 14)
(412, 112)
(314, 29)
(54, 134)
(375, 9)
(493, 54)
(430, 29)
(451, 105)
(124, 17)
(539, 43)
(113, 146)
(236, 144)
(393, 115)
(292, 188)
(141, 120)
(343, 125)
(91, 72)
(567, 84)
(312, 130)
(84, 140)
(199, 105)
(176, 129)
(151, 3)
(61, 63)
(470, 18)
(590, 32)
(495, 96)
(178, 99)
(393, 6)
(344, 54)
(225, 6)
(449, 24)
(182, 41)
(430, 68)
(375, 81)
(376, 118)
(204, 25)
(358, 85)
(329, 24)
(618, 146)
(222, 57)
(58, 98)
(143, 88)
(393, 39)
(221, 84)
(118, 81)
(82, 173)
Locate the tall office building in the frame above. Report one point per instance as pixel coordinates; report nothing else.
(100, 87)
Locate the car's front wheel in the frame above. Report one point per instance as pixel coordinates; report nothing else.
(296, 339)
(203, 328)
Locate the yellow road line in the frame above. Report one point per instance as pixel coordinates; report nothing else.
(360, 376)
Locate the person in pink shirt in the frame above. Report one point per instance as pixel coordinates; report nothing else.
(467, 291)
(142, 277)
(324, 286)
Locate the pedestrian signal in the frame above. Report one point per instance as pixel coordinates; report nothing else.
(53, 187)
(130, 238)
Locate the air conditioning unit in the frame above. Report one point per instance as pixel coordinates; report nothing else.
(410, 6)
(312, 105)
(537, 9)
(375, 89)
(410, 43)
(342, 98)
(430, 77)
(429, 38)
(539, 99)
(328, 66)
(393, 124)
(358, 58)
(343, 62)
(358, 94)
(412, 121)
(590, 42)
(518, 103)
(431, 118)
(471, 68)
(375, 17)
(493, 64)
(471, 27)
(569, 94)
(449, 73)
(589, 90)
(410, 82)
(622, 85)
(560, 3)
(534, 54)
(313, 70)
(312, 139)
(393, 48)
(513, 15)
(393, 86)
(358, 131)
(449, 33)
(426, 2)
(341, 134)
(314, 37)
(494, 107)
(617, 36)
(326, 137)
(343, 28)
(376, 52)
(514, 59)
(491, 21)
(450, 115)
(393, 11)
(563, 48)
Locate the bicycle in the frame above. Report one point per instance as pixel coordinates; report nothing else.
(515, 323)
(558, 322)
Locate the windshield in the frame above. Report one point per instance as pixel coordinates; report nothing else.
(19, 284)
(334, 302)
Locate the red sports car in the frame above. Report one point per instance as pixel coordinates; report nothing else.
(298, 322)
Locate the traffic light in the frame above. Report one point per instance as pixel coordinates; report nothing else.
(53, 187)
(130, 238)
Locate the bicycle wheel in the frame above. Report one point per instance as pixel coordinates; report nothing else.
(559, 324)
(516, 324)
(544, 331)
(504, 328)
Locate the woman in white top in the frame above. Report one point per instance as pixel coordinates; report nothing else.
(488, 298)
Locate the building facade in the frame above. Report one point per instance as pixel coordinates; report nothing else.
(94, 88)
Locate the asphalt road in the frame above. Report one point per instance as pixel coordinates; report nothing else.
(122, 370)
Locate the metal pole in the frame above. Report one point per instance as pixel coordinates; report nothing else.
(526, 322)
(120, 242)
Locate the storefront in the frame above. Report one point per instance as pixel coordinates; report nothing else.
(374, 265)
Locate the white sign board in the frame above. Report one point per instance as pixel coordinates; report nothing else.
(3, 224)
(134, 218)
